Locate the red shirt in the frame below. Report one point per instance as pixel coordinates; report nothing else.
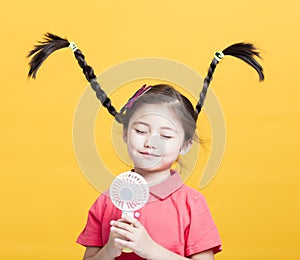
(176, 217)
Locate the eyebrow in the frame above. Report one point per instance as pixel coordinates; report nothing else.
(162, 128)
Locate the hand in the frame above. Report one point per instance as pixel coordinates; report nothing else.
(113, 248)
(132, 234)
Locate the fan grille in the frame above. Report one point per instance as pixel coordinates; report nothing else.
(129, 191)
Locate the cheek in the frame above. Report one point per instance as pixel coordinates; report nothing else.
(175, 145)
(172, 151)
(134, 140)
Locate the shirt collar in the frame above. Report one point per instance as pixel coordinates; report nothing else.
(167, 187)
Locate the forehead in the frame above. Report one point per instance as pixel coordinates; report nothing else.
(156, 114)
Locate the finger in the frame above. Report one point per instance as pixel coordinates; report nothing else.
(114, 234)
(132, 221)
(121, 233)
(122, 225)
(123, 243)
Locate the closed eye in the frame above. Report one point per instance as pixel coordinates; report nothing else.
(167, 136)
(140, 131)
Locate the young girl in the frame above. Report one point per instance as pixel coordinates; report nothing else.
(159, 125)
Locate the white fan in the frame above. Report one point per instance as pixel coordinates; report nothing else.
(129, 192)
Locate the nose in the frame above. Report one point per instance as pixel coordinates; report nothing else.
(156, 143)
(151, 142)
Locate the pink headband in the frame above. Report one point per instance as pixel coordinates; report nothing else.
(136, 95)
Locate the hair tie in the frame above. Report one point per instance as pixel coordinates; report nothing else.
(73, 46)
(219, 55)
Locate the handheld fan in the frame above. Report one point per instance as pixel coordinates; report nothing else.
(129, 192)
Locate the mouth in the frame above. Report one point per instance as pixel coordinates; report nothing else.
(149, 154)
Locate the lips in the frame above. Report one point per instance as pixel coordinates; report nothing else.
(149, 154)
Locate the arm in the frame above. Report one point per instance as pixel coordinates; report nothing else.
(107, 252)
(139, 241)
(164, 254)
(206, 255)
(94, 252)
(100, 253)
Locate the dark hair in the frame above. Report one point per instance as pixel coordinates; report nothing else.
(51, 43)
(169, 96)
(243, 51)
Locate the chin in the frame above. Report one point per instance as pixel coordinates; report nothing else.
(152, 168)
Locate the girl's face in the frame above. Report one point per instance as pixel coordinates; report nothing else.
(154, 138)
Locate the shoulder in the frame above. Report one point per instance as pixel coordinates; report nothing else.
(190, 192)
(102, 201)
(191, 197)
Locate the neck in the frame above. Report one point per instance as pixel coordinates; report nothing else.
(154, 178)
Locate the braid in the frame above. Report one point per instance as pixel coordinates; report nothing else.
(206, 83)
(52, 43)
(243, 51)
(91, 77)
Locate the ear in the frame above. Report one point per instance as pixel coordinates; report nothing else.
(125, 135)
(186, 147)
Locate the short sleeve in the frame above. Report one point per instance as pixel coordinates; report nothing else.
(91, 235)
(202, 233)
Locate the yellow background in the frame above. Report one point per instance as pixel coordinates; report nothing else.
(253, 198)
